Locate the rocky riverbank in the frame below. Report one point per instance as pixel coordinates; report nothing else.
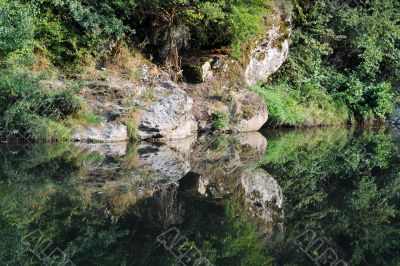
(147, 104)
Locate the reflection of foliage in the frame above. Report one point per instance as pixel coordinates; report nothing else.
(220, 143)
(326, 189)
(43, 187)
(106, 222)
(231, 239)
(243, 243)
(221, 120)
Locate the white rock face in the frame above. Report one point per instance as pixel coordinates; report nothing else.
(106, 132)
(267, 57)
(170, 117)
(254, 123)
(263, 194)
(207, 73)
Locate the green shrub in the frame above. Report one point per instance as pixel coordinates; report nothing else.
(221, 120)
(349, 53)
(287, 109)
(369, 101)
(30, 110)
(15, 26)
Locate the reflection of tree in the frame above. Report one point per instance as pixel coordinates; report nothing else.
(357, 210)
(171, 208)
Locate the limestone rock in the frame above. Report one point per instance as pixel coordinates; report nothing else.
(106, 132)
(197, 72)
(270, 52)
(170, 117)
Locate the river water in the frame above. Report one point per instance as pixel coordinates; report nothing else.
(281, 197)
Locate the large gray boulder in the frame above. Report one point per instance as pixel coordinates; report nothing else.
(170, 117)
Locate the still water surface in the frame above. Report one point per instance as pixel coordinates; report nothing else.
(231, 200)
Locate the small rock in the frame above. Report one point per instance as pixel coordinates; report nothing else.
(106, 132)
(251, 112)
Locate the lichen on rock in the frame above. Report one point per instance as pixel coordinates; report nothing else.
(170, 117)
(270, 52)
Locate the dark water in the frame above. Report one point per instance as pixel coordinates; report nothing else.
(244, 200)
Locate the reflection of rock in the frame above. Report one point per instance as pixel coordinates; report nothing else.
(220, 161)
(255, 140)
(148, 165)
(106, 132)
(264, 196)
(170, 117)
(167, 165)
(119, 174)
(183, 147)
(105, 149)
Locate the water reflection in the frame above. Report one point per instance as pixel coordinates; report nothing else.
(106, 203)
(237, 199)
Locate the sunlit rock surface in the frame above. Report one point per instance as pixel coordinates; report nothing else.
(106, 132)
(271, 52)
(250, 112)
(170, 117)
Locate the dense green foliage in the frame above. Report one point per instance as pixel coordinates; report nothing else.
(64, 31)
(348, 53)
(67, 30)
(205, 23)
(342, 184)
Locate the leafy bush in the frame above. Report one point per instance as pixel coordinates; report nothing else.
(29, 110)
(369, 101)
(348, 52)
(15, 27)
(178, 24)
